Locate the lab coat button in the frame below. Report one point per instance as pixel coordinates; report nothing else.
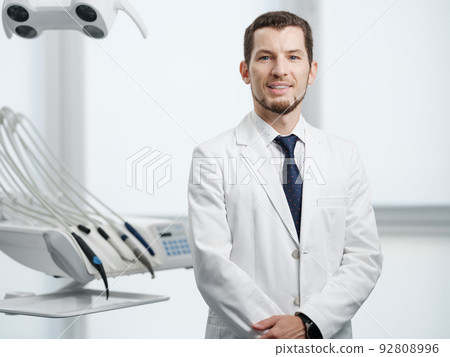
(296, 254)
(297, 301)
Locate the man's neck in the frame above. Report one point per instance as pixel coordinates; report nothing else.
(283, 124)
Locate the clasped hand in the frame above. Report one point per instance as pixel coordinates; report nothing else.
(281, 326)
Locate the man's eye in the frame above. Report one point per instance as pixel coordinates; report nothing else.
(264, 58)
(294, 58)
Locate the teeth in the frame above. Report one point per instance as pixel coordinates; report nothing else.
(279, 87)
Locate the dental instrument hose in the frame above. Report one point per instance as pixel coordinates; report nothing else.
(93, 259)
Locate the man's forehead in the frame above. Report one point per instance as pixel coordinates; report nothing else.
(287, 36)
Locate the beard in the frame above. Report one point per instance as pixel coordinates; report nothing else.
(280, 107)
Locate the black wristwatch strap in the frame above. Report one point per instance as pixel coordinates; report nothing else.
(312, 331)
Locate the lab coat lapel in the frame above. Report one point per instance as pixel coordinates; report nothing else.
(312, 179)
(254, 149)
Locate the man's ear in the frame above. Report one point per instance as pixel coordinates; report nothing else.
(312, 73)
(244, 72)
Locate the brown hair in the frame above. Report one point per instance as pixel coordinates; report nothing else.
(278, 20)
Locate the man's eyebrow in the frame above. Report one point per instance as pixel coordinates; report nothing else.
(297, 50)
(262, 50)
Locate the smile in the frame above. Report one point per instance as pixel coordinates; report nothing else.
(279, 89)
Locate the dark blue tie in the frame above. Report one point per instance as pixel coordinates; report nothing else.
(292, 188)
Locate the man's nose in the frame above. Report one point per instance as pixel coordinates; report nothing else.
(280, 68)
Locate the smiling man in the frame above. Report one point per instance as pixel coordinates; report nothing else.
(283, 233)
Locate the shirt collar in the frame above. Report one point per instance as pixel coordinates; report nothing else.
(268, 133)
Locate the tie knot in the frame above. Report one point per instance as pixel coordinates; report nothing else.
(287, 144)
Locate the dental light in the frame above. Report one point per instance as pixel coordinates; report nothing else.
(29, 18)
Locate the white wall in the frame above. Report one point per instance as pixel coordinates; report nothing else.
(22, 82)
(412, 294)
(389, 93)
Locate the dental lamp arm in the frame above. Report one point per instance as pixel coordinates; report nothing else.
(126, 7)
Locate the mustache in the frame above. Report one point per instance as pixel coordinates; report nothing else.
(288, 82)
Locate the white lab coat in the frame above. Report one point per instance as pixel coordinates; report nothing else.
(248, 262)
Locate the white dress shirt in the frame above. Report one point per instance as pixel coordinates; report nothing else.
(276, 155)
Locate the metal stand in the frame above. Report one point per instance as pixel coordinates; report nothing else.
(72, 300)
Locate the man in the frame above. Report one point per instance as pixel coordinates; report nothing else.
(283, 234)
